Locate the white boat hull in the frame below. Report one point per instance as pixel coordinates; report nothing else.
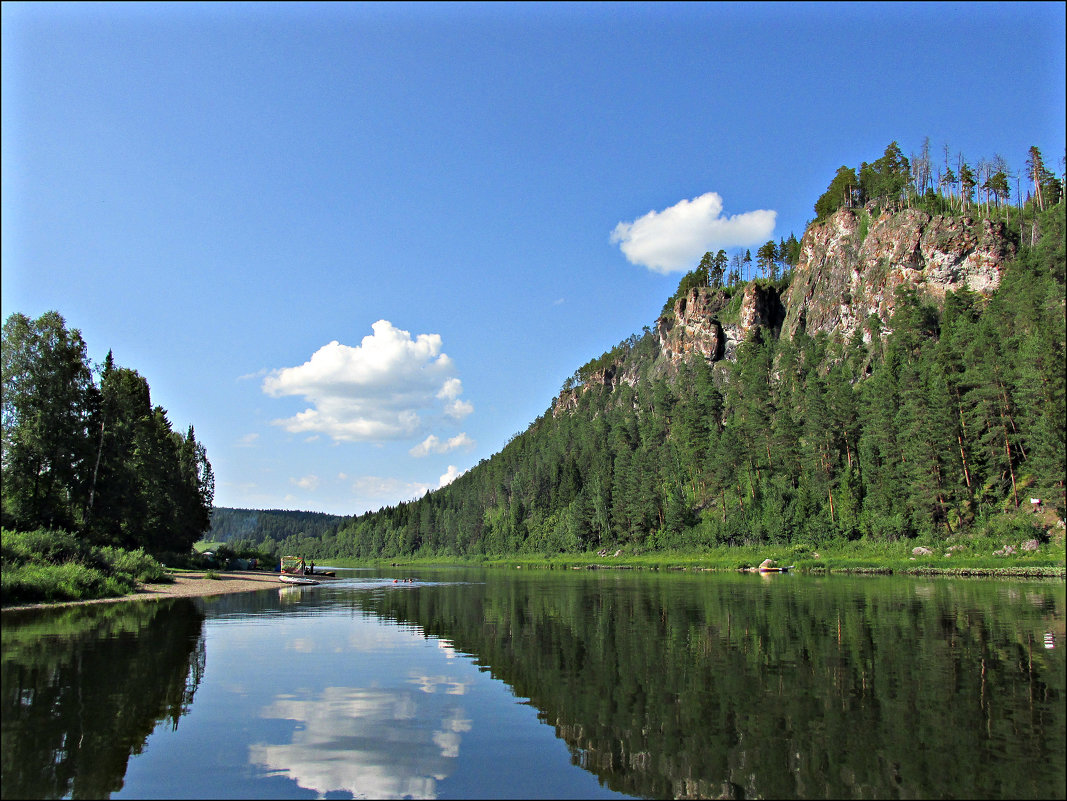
(296, 579)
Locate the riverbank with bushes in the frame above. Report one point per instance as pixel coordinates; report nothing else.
(46, 566)
(54, 566)
(964, 556)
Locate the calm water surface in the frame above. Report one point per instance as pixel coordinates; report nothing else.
(473, 684)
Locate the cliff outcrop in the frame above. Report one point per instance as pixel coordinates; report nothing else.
(712, 324)
(851, 266)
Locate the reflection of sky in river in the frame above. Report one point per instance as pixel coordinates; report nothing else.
(324, 700)
(369, 742)
(393, 737)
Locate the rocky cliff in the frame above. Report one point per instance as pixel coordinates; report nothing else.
(710, 323)
(850, 267)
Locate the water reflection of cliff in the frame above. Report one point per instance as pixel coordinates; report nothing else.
(685, 687)
(84, 687)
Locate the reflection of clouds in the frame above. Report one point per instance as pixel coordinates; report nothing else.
(368, 742)
(448, 648)
(429, 684)
(301, 645)
(368, 640)
(448, 740)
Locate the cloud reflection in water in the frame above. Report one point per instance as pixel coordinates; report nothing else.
(371, 742)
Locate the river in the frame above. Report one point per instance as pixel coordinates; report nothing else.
(468, 683)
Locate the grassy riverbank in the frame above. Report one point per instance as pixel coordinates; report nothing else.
(45, 566)
(55, 567)
(960, 556)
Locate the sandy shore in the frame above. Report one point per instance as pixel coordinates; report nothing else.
(186, 585)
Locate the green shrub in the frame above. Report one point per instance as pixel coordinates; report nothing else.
(41, 545)
(137, 565)
(864, 226)
(70, 581)
(1010, 529)
(49, 565)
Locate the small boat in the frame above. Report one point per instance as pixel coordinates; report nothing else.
(291, 579)
(293, 570)
(768, 566)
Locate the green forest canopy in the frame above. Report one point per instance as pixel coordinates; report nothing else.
(94, 456)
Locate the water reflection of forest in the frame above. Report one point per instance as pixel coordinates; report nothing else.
(84, 687)
(724, 688)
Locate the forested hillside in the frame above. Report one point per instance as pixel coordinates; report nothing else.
(267, 527)
(935, 409)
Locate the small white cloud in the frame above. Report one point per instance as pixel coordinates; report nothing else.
(247, 441)
(449, 476)
(673, 240)
(372, 392)
(307, 482)
(429, 445)
(432, 444)
(458, 409)
(387, 491)
(452, 389)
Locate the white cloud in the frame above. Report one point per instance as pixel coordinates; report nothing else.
(374, 391)
(381, 491)
(452, 389)
(307, 482)
(375, 490)
(450, 475)
(458, 409)
(247, 441)
(432, 444)
(673, 240)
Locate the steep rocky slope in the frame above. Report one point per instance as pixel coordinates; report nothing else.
(849, 269)
(708, 322)
(851, 266)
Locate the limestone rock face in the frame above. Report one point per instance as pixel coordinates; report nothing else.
(846, 274)
(849, 269)
(760, 306)
(611, 377)
(695, 326)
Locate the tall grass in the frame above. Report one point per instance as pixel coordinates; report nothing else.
(50, 565)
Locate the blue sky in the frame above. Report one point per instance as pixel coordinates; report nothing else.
(359, 246)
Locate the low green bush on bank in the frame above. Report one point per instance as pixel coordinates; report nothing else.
(47, 565)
